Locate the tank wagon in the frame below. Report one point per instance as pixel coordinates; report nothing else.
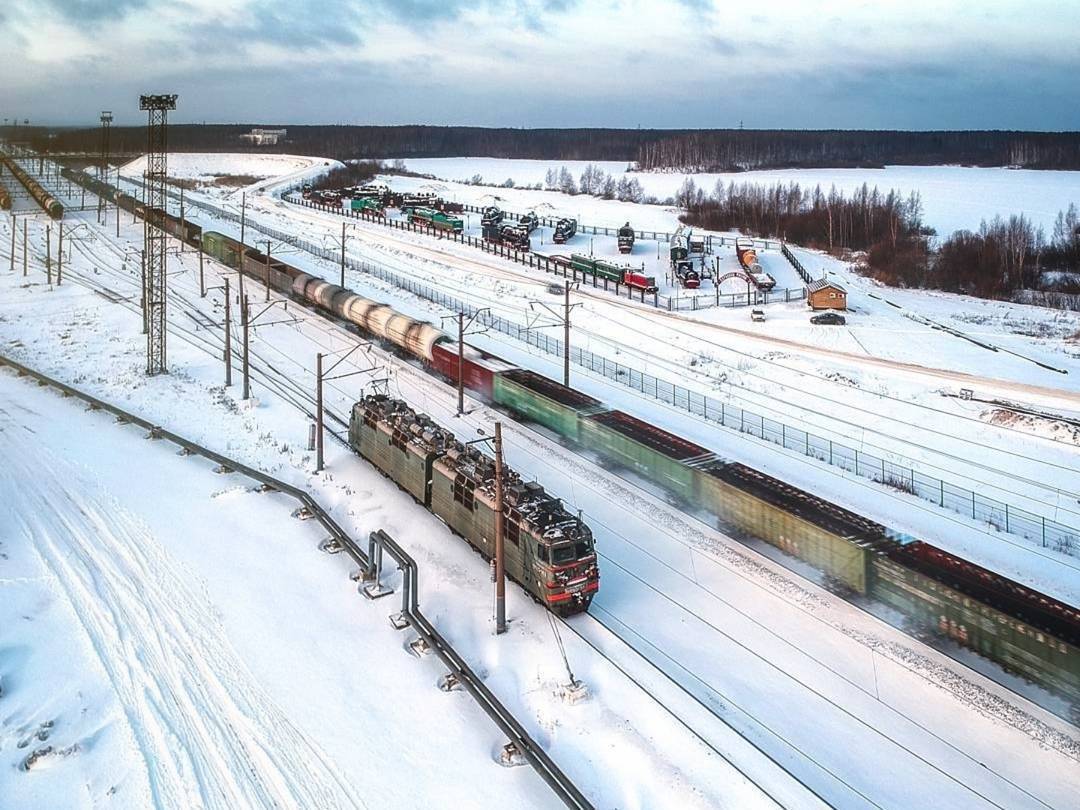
(1028, 633)
(548, 551)
(747, 255)
(625, 238)
(49, 204)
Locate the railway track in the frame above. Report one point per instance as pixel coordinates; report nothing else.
(1010, 486)
(385, 235)
(533, 752)
(328, 326)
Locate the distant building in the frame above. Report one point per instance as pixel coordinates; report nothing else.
(825, 294)
(264, 137)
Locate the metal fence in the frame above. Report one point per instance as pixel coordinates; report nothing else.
(895, 474)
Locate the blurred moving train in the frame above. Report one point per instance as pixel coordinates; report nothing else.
(1026, 632)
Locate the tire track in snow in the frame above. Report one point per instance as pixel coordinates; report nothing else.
(209, 736)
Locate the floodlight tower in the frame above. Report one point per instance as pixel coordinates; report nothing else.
(154, 238)
(106, 122)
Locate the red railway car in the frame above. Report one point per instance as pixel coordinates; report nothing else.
(479, 367)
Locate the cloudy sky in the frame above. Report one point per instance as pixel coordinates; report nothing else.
(912, 64)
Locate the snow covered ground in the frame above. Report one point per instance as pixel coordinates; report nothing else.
(850, 705)
(954, 197)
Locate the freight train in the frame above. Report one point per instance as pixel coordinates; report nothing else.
(564, 231)
(601, 269)
(547, 551)
(1026, 632)
(747, 255)
(625, 238)
(49, 204)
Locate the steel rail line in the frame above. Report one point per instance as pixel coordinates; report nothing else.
(544, 766)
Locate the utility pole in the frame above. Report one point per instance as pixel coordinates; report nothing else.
(59, 253)
(24, 248)
(142, 303)
(13, 229)
(228, 336)
(115, 195)
(342, 254)
(202, 279)
(240, 254)
(48, 253)
(566, 336)
(106, 121)
(500, 569)
(267, 269)
(460, 363)
(183, 225)
(464, 324)
(561, 319)
(320, 378)
(245, 316)
(318, 413)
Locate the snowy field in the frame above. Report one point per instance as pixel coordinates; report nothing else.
(953, 197)
(863, 713)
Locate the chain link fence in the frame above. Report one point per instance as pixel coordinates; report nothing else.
(895, 474)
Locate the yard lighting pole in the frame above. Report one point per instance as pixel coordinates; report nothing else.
(320, 378)
(48, 253)
(59, 253)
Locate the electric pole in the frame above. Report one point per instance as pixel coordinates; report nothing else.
(320, 378)
(566, 336)
(561, 319)
(244, 318)
(464, 324)
(228, 336)
(24, 248)
(267, 269)
(500, 568)
(106, 121)
(342, 254)
(240, 249)
(13, 229)
(59, 252)
(48, 253)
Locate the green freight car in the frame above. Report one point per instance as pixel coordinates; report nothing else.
(641, 447)
(544, 401)
(436, 219)
(223, 248)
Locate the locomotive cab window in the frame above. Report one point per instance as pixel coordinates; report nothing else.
(562, 554)
(542, 552)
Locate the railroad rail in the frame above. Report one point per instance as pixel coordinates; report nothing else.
(459, 669)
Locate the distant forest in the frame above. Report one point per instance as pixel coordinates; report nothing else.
(652, 149)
